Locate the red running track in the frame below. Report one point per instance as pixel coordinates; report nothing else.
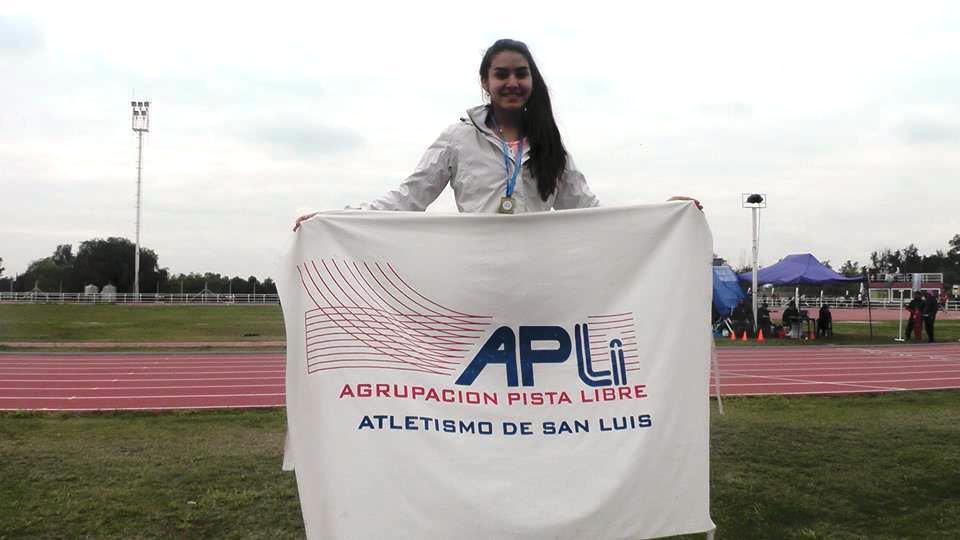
(144, 381)
(140, 381)
(759, 371)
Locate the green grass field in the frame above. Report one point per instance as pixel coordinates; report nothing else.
(878, 467)
(139, 323)
(151, 323)
(170, 475)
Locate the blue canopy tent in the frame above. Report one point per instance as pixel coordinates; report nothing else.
(726, 290)
(799, 269)
(803, 269)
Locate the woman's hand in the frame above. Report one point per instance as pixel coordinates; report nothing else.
(685, 198)
(302, 219)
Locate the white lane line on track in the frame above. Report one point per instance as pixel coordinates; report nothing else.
(858, 359)
(109, 365)
(90, 409)
(128, 368)
(803, 381)
(770, 353)
(896, 373)
(909, 346)
(122, 356)
(140, 360)
(781, 383)
(149, 397)
(140, 354)
(839, 368)
(898, 369)
(185, 372)
(84, 372)
(74, 388)
(922, 349)
(839, 357)
(151, 379)
(824, 348)
(835, 359)
(852, 359)
(937, 368)
(818, 392)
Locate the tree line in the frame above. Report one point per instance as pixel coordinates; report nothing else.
(909, 260)
(101, 262)
(888, 261)
(110, 262)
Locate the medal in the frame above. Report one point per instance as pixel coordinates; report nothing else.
(508, 204)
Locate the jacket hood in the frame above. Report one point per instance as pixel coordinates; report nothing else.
(478, 117)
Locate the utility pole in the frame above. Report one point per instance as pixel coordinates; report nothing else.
(140, 125)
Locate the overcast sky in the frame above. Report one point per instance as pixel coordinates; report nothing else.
(847, 115)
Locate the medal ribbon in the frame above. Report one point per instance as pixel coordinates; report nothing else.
(511, 178)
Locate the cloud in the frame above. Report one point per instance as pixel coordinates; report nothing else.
(19, 35)
(731, 108)
(217, 87)
(306, 139)
(254, 124)
(927, 131)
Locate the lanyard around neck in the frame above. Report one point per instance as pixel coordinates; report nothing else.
(511, 178)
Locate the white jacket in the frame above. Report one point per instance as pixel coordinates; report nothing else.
(469, 156)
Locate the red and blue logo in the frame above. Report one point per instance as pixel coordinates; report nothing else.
(519, 355)
(367, 316)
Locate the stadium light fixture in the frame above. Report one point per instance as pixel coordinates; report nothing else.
(140, 123)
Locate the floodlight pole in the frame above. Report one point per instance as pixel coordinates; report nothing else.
(140, 124)
(756, 259)
(755, 201)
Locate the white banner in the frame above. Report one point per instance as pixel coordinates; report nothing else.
(489, 376)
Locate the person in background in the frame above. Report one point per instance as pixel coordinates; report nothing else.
(824, 321)
(916, 316)
(764, 324)
(791, 319)
(930, 307)
(741, 318)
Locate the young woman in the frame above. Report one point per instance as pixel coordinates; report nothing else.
(479, 155)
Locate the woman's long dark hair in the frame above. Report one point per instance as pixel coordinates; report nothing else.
(548, 157)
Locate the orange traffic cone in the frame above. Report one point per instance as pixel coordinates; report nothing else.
(760, 338)
(733, 336)
(744, 338)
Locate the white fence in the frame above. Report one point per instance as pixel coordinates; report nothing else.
(842, 302)
(230, 299)
(127, 298)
